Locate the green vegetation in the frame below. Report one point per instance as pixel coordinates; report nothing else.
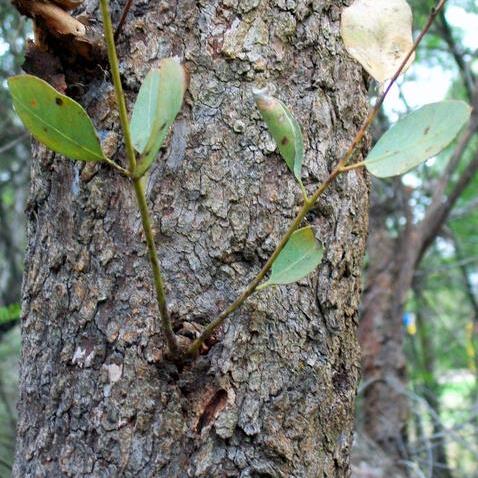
(441, 350)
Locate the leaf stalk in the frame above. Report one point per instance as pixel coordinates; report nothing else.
(351, 167)
(115, 165)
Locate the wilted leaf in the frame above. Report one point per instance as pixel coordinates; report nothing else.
(378, 34)
(55, 19)
(158, 103)
(300, 256)
(55, 120)
(417, 137)
(284, 128)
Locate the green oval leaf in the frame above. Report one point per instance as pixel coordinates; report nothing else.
(284, 128)
(158, 103)
(55, 120)
(300, 256)
(417, 137)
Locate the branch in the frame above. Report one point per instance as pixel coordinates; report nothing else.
(440, 210)
(466, 72)
(423, 271)
(166, 326)
(339, 168)
(124, 14)
(458, 213)
(13, 143)
(470, 293)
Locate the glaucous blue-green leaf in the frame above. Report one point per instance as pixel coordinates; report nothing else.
(145, 111)
(417, 137)
(284, 128)
(55, 120)
(158, 103)
(300, 256)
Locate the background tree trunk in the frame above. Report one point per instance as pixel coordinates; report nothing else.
(389, 275)
(393, 263)
(274, 396)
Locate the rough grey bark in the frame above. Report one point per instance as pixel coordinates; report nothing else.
(274, 396)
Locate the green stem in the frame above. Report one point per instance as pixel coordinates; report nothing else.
(304, 191)
(114, 64)
(157, 277)
(339, 168)
(138, 187)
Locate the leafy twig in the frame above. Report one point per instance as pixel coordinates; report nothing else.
(308, 204)
(138, 187)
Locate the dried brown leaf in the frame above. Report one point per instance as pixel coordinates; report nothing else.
(378, 34)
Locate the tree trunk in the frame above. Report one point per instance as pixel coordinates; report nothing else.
(274, 396)
(385, 405)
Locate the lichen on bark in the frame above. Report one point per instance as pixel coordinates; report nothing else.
(274, 395)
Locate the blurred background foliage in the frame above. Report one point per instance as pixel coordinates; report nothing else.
(440, 326)
(14, 170)
(440, 340)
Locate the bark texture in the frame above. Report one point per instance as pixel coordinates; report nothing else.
(274, 396)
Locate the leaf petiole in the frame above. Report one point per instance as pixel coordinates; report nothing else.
(115, 165)
(304, 192)
(351, 167)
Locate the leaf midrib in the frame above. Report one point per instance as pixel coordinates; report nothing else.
(291, 265)
(403, 151)
(83, 148)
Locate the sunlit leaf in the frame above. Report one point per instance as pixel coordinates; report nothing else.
(158, 103)
(378, 34)
(55, 120)
(284, 128)
(417, 137)
(300, 256)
